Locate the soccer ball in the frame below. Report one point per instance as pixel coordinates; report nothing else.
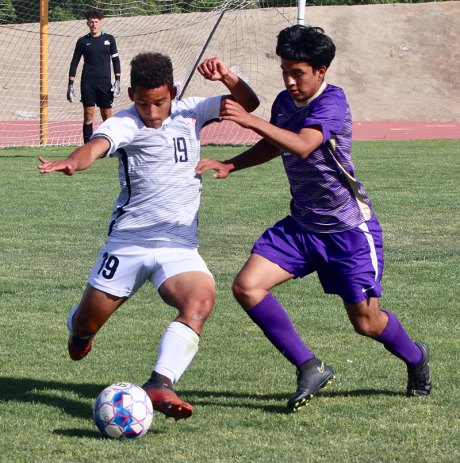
(123, 410)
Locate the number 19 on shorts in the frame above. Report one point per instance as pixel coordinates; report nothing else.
(109, 266)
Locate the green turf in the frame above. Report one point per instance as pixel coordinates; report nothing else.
(51, 229)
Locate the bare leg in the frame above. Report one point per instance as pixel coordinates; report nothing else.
(86, 319)
(94, 310)
(366, 317)
(106, 113)
(193, 294)
(88, 114)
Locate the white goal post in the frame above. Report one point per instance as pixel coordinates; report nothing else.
(37, 43)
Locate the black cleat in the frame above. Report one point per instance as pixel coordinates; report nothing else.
(418, 382)
(312, 376)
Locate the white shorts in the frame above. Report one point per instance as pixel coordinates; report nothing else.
(122, 269)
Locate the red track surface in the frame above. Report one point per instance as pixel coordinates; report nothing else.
(13, 133)
(406, 130)
(218, 133)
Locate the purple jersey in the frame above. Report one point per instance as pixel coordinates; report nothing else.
(326, 197)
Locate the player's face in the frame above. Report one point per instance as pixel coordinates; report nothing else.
(301, 80)
(94, 25)
(153, 104)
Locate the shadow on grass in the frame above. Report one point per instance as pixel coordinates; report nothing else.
(80, 433)
(84, 433)
(256, 401)
(51, 393)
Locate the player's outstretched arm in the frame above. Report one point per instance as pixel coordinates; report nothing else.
(215, 69)
(300, 144)
(82, 158)
(261, 152)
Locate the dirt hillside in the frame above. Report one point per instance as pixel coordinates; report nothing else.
(396, 62)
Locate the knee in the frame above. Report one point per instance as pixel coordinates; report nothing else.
(204, 306)
(241, 291)
(248, 293)
(365, 327)
(198, 309)
(367, 318)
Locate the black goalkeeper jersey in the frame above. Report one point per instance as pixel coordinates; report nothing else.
(97, 53)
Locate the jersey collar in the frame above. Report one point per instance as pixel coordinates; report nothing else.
(301, 104)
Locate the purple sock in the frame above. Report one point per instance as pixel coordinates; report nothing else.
(274, 321)
(397, 341)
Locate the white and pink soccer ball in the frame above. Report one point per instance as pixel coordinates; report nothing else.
(123, 410)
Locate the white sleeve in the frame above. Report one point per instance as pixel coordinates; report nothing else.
(207, 109)
(119, 130)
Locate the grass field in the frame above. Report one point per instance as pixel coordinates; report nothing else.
(51, 229)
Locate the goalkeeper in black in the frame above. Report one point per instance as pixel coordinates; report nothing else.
(97, 49)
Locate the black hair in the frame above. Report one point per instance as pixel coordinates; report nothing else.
(94, 13)
(306, 43)
(151, 70)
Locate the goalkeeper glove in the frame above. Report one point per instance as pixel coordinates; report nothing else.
(116, 87)
(70, 92)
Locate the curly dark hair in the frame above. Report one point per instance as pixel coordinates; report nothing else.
(94, 13)
(306, 43)
(151, 70)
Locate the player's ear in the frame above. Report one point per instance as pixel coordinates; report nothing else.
(322, 72)
(131, 93)
(173, 93)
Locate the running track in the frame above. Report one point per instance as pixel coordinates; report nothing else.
(365, 131)
(13, 133)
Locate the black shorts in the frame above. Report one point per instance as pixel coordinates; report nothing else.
(97, 93)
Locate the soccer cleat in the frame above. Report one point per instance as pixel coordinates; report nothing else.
(79, 347)
(312, 376)
(164, 399)
(418, 383)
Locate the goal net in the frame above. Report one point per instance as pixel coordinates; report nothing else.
(242, 33)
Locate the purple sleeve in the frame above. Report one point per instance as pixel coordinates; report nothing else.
(274, 110)
(329, 112)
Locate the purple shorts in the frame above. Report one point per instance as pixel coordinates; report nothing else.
(348, 263)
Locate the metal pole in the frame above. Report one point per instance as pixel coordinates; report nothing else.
(43, 72)
(301, 12)
(197, 62)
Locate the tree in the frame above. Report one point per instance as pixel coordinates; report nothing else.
(7, 12)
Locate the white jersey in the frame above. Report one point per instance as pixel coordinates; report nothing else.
(160, 190)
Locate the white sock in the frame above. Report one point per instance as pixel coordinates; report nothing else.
(70, 323)
(70, 318)
(176, 350)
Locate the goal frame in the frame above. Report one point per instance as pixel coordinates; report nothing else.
(43, 104)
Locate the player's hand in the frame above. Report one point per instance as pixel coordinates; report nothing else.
(230, 110)
(213, 69)
(116, 87)
(221, 170)
(70, 93)
(64, 166)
